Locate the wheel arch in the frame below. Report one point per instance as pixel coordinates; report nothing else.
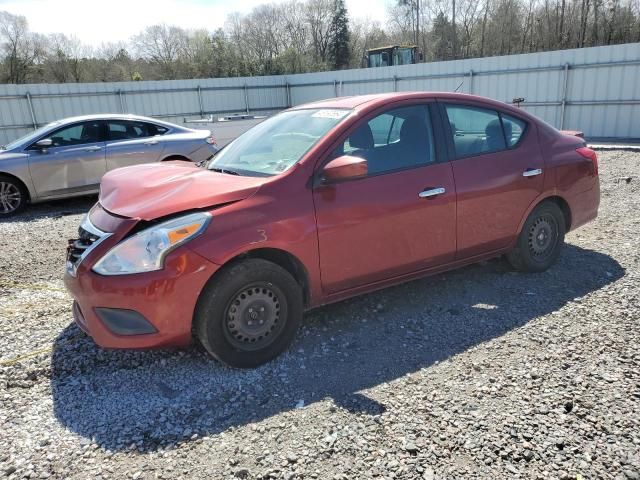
(560, 201)
(22, 183)
(283, 259)
(564, 207)
(169, 158)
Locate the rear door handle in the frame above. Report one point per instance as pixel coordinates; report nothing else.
(93, 149)
(151, 142)
(431, 192)
(532, 172)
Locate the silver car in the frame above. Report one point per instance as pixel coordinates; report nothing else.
(69, 157)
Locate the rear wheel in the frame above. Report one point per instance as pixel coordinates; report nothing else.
(249, 313)
(13, 196)
(541, 239)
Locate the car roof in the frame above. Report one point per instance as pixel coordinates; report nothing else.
(367, 102)
(111, 116)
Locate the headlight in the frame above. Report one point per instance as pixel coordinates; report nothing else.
(145, 251)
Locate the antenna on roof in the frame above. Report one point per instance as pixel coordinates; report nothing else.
(458, 88)
(517, 101)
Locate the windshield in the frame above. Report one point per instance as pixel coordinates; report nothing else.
(276, 144)
(29, 137)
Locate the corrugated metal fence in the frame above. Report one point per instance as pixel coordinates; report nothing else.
(596, 90)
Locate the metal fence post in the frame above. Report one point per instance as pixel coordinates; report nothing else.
(335, 88)
(564, 94)
(32, 111)
(395, 83)
(470, 81)
(288, 87)
(122, 106)
(246, 98)
(199, 90)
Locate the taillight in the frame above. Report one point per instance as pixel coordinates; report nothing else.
(590, 155)
(210, 140)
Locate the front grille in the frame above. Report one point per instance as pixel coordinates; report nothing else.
(78, 248)
(79, 245)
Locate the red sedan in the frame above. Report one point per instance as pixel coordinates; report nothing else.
(316, 204)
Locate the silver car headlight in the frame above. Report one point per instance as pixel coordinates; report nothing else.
(146, 250)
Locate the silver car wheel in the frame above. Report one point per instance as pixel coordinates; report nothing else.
(10, 197)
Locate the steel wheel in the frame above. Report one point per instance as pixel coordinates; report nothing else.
(540, 240)
(10, 197)
(252, 317)
(543, 236)
(249, 312)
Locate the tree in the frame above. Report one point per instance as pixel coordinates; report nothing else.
(468, 15)
(504, 29)
(198, 54)
(412, 12)
(339, 54)
(19, 47)
(319, 17)
(442, 34)
(65, 57)
(163, 45)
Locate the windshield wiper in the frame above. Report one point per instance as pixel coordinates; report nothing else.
(224, 170)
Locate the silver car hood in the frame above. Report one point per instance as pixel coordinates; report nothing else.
(11, 155)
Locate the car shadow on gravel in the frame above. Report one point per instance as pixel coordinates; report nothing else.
(146, 400)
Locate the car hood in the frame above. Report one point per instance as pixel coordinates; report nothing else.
(11, 155)
(151, 191)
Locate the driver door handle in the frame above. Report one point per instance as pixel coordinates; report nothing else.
(532, 172)
(95, 148)
(151, 142)
(431, 192)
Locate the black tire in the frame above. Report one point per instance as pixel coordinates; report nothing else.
(541, 239)
(248, 331)
(13, 196)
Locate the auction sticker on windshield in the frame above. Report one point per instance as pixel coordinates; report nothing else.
(335, 114)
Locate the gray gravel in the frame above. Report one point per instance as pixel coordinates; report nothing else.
(477, 373)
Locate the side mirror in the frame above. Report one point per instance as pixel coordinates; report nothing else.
(345, 167)
(44, 143)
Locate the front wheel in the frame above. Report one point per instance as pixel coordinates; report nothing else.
(249, 313)
(13, 196)
(540, 240)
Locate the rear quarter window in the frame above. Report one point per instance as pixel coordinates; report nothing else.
(513, 129)
(156, 129)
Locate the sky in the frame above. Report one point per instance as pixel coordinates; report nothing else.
(95, 22)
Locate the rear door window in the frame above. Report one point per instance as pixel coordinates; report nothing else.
(475, 130)
(128, 130)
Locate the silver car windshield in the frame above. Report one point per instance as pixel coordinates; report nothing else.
(29, 137)
(278, 143)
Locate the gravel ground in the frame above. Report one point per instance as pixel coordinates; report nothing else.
(477, 373)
